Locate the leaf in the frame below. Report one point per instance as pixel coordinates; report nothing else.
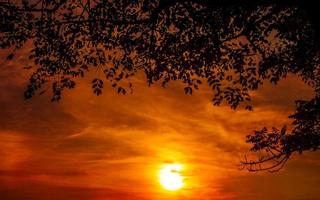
(249, 107)
(188, 90)
(94, 80)
(121, 90)
(10, 56)
(97, 91)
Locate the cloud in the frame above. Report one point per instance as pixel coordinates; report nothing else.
(111, 146)
(99, 144)
(284, 94)
(295, 182)
(38, 117)
(25, 173)
(39, 191)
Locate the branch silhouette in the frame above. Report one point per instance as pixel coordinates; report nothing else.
(276, 147)
(231, 45)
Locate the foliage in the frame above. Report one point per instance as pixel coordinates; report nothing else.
(232, 47)
(277, 146)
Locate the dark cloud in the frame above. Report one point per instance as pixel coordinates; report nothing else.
(283, 95)
(25, 173)
(38, 117)
(107, 147)
(40, 191)
(295, 182)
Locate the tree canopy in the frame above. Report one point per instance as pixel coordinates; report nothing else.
(233, 46)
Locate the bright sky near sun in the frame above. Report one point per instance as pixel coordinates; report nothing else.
(170, 177)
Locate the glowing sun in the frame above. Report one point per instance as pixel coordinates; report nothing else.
(170, 177)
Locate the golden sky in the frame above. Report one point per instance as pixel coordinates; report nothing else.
(113, 146)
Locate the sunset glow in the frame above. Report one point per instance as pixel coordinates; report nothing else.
(154, 144)
(170, 177)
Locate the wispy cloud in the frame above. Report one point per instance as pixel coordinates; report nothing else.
(111, 147)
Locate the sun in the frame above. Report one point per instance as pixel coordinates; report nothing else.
(170, 177)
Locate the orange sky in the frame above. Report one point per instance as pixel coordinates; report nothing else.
(112, 146)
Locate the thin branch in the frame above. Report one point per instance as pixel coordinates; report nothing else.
(49, 10)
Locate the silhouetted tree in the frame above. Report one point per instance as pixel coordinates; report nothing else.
(276, 147)
(231, 45)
